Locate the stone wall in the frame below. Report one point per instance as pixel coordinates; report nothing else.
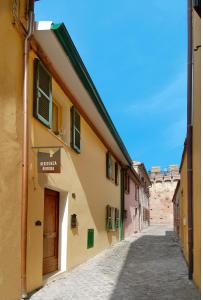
(163, 184)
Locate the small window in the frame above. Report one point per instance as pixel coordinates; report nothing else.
(125, 214)
(112, 218)
(109, 165)
(109, 221)
(116, 218)
(197, 6)
(42, 108)
(75, 129)
(127, 183)
(90, 238)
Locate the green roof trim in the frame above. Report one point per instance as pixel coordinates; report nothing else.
(66, 42)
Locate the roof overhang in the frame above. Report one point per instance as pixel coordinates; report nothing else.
(58, 46)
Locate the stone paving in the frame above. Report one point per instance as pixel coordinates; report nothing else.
(146, 266)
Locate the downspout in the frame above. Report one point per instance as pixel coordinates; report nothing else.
(25, 143)
(189, 143)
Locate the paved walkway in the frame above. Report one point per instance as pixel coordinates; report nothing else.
(147, 266)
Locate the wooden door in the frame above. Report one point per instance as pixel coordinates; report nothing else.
(50, 233)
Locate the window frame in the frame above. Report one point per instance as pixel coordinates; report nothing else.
(38, 90)
(59, 117)
(74, 128)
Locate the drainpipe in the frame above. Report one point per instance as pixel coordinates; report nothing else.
(25, 143)
(189, 143)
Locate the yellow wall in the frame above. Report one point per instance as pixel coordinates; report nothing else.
(83, 174)
(184, 208)
(196, 150)
(11, 72)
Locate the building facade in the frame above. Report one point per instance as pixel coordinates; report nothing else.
(144, 201)
(163, 184)
(190, 186)
(183, 233)
(176, 209)
(62, 191)
(131, 204)
(196, 144)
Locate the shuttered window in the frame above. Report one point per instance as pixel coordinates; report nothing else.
(75, 129)
(109, 165)
(116, 174)
(109, 221)
(116, 218)
(127, 183)
(197, 6)
(112, 218)
(90, 238)
(42, 107)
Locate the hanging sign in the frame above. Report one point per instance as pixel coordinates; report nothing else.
(49, 162)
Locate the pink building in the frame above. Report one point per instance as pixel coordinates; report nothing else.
(131, 204)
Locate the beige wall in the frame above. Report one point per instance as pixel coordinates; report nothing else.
(184, 208)
(196, 150)
(83, 174)
(11, 72)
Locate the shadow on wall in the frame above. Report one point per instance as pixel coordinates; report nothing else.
(154, 269)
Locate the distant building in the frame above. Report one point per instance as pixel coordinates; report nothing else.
(176, 209)
(144, 218)
(131, 203)
(163, 184)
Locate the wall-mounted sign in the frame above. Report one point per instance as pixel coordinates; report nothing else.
(49, 162)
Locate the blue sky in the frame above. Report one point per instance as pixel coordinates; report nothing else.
(136, 54)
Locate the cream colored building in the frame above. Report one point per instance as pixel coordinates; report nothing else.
(58, 220)
(190, 182)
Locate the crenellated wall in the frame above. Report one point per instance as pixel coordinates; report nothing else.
(163, 184)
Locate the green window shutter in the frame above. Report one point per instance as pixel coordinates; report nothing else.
(116, 218)
(109, 165)
(116, 174)
(109, 224)
(42, 108)
(75, 129)
(90, 238)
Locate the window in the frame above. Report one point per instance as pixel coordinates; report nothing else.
(75, 129)
(116, 174)
(127, 183)
(197, 6)
(125, 214)
(112, 169)
(109, 165)
(42, 108)
(112, 218)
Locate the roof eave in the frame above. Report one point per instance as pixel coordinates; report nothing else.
(66, 42)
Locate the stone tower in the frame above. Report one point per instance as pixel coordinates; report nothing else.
(163, 184)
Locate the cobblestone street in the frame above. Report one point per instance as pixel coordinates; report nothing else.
(147, 266)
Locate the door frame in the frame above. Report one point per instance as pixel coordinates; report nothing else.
(62, 232)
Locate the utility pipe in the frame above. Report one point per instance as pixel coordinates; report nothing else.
(189, 143)
(25, 143)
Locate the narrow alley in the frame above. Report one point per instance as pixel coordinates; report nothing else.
(148, 265)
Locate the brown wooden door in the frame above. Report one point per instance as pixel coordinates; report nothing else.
(50, 233)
